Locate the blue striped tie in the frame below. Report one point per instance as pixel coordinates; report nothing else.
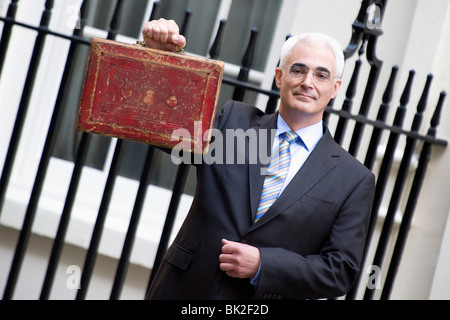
(276, 173)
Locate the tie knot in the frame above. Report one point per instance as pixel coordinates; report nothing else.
(290, 136)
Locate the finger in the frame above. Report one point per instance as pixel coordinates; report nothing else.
(148, 34)
(228, 268)
(156, 30)
(172, 31)
(227, 247)
(165, 31)
(148, 29)
(229, 242)
(231, 270)
(226, 258)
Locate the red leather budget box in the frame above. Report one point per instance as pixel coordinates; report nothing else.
(135, 93)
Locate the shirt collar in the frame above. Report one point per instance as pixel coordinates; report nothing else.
(310, 136)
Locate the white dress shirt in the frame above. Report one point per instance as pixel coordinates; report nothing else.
(301, 149)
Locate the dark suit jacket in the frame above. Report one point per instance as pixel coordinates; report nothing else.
(311, 240)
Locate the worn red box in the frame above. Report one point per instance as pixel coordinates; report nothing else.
(136, 93)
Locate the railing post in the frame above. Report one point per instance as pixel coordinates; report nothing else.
(6, 33)
(100, 221)
(14, 144)
(180, 182)
(272, 103)
(132, 227)
(110, 182)
(52, 137)
(381, 116)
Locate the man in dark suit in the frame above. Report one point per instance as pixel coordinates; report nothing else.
(306, 242)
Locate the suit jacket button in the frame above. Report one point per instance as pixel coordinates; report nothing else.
(219, 277)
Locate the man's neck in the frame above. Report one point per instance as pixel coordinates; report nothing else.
(299, 120)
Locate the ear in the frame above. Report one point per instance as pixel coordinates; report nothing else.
(337, 86)
(278, 74)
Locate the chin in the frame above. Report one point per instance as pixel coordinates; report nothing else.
(305, 108)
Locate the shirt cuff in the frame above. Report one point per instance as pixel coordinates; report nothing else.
(255, 279)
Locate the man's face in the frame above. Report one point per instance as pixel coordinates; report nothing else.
(307, 83)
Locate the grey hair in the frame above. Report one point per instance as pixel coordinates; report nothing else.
(335, 47)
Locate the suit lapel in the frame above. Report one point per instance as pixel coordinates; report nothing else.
(263, 129)
(318, 164)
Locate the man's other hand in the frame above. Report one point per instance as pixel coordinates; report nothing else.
(239, 260)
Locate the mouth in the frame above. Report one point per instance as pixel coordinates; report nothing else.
(304, 96)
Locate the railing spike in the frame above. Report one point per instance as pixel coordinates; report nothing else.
(6, 32)
(216, 47)
(271, 106)
(247, 62)
(116, 20)
(154, 12)
(407, 91)
(186, 21)
(437, 115)
(423, 99)
(348, 102)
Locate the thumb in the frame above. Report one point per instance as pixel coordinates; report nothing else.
(179, 40)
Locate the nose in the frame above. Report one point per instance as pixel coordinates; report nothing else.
(308, 79)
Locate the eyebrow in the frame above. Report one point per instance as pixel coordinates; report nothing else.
(321, 69)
